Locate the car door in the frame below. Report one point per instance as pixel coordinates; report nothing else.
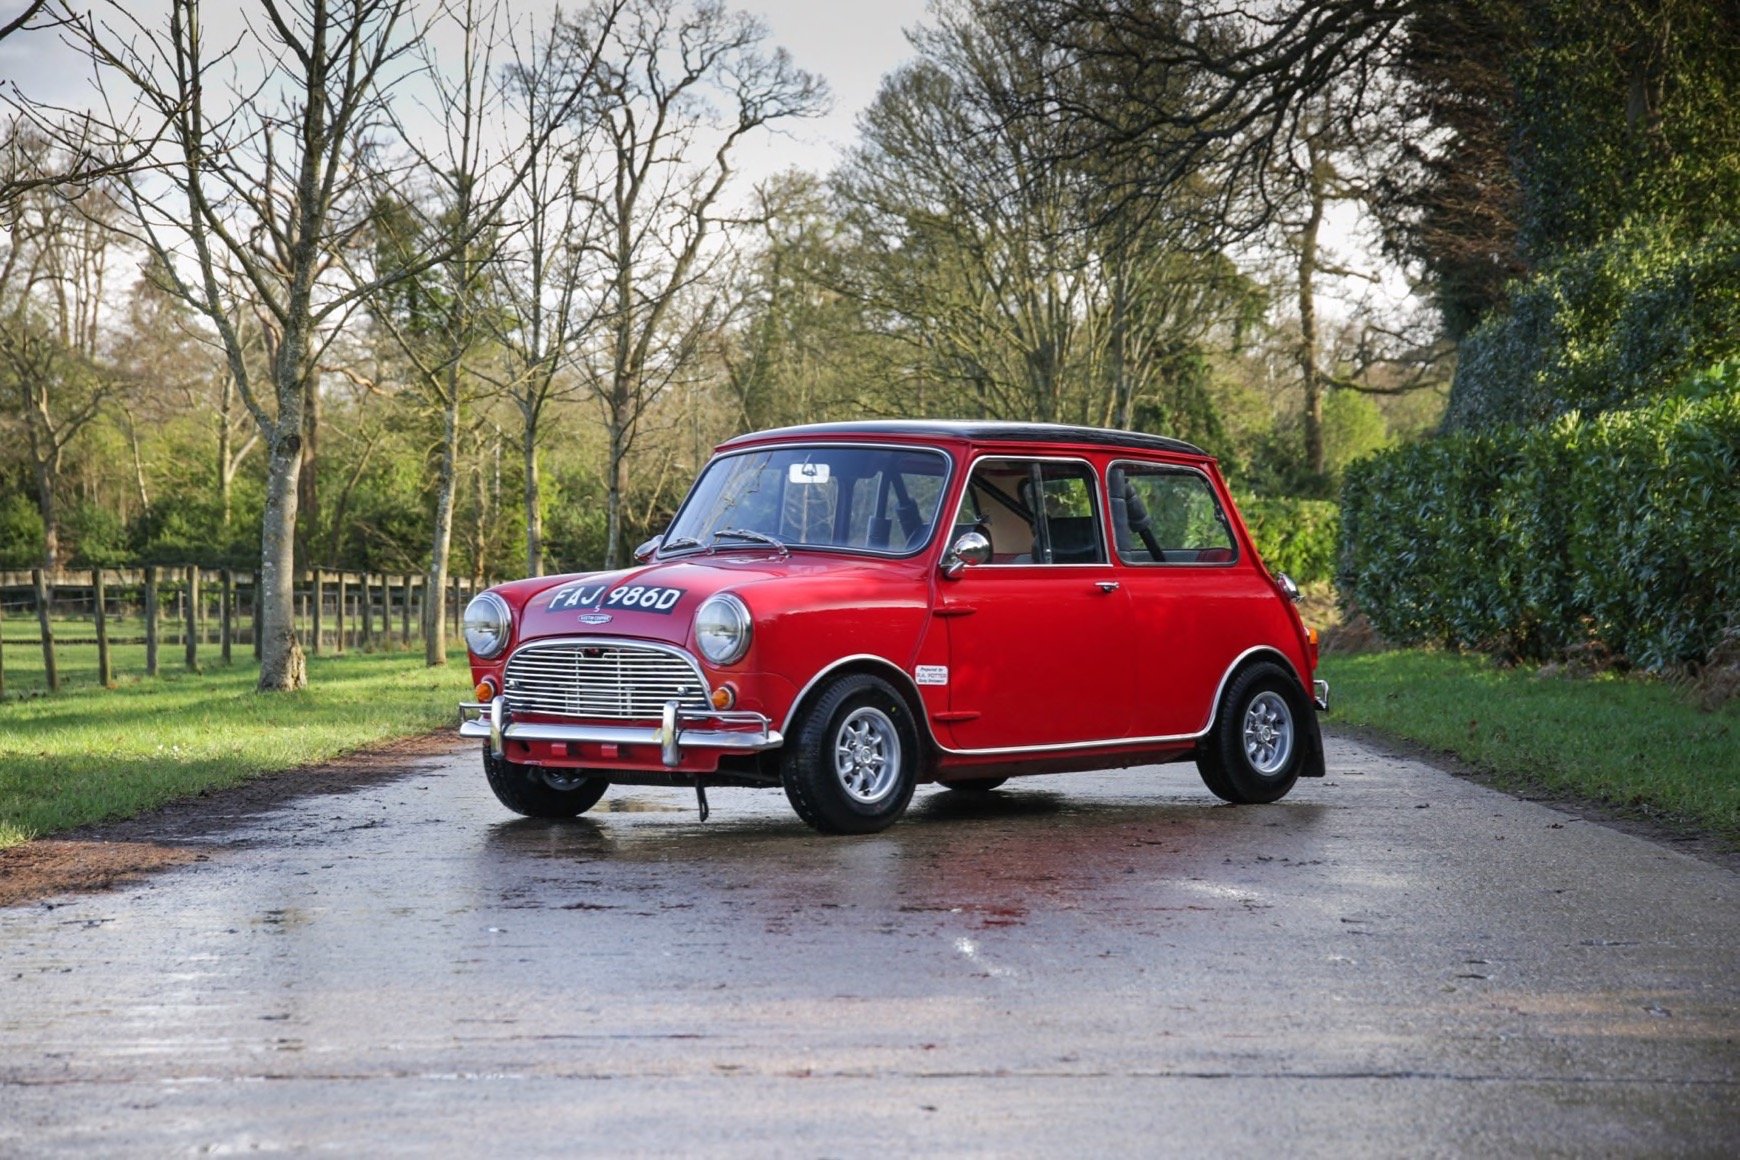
(1036, 635)
(1193, 600)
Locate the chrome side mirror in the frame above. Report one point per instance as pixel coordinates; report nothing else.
(645, 552)
(969, 548)
(1287, 586)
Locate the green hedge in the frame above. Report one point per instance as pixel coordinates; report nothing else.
(1295, 536)
(1621, 531)
(1606, 327)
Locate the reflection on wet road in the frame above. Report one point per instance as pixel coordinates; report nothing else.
(1388, 961)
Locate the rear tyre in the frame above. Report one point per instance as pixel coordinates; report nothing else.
(1258, 744)
(524, 790)
(851, 764)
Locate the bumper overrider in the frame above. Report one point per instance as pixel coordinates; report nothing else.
(1320, 694)
(678, 729)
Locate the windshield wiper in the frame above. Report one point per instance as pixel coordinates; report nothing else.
(758, 537)
(680, 542)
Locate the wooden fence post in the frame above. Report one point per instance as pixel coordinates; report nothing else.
(2, 643)
(44, 596)
(229, 610)
(319, 605)
(405, 611)
(343, 596)
(386, 613)
(365, 612)
(254, 612)
(105, 673)
(191, 637)
(150, 620)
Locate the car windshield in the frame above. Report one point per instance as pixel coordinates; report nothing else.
(868, 499)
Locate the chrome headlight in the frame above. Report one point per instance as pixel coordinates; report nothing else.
(487, 625)
(722, 628)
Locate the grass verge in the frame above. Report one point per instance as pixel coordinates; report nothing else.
(92, 754)
(1634, 745)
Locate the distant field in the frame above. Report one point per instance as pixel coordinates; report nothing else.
(1626, 742)
(91, 754)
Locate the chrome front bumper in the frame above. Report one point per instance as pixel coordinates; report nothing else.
(1320, 694)
(672, 735)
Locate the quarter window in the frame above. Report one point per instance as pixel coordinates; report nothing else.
(1034, 511)
(1167, 516)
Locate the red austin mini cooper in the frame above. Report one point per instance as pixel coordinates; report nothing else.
(849, 609)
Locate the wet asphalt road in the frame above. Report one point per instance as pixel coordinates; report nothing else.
(1389, 962)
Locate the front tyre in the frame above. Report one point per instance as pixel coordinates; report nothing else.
(1259, 741)
(850, 765)
(524, 790)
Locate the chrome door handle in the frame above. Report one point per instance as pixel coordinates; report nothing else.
(1108, 585)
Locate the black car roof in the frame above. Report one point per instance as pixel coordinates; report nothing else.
(978, 431)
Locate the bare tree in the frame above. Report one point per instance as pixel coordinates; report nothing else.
(1181, 88)
(656, 185)
(254, 190)
(54, 265)
(250, 191)
(436, 318)
(1025, 284)
(31, 9)
(542, 275)
(442, 319)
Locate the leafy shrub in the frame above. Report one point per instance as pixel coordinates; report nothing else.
(20, 532)
(97, 536)
(1295, 536)
(1606, 327)
(1621, 532)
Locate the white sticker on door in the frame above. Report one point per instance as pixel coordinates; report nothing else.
(931, 674)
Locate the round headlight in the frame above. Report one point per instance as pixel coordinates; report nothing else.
(487, 624)
(722, 628)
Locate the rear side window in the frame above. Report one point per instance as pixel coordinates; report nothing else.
(1034, 511)
(1166, 515)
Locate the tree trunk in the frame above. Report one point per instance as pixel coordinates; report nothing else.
(282, 665)
(534, 503)
(138, 464)
(45, 506)
(435, 609)
(613, 495)
(45, 622)
(308, 480)
(1314, 457)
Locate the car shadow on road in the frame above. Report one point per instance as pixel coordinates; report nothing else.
(1032, 820)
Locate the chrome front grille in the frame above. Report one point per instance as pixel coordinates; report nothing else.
(603, 679)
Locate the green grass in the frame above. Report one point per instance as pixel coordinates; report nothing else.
(91, 754)
(1625, 742)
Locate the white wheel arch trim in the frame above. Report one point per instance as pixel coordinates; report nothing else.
(1063, 747)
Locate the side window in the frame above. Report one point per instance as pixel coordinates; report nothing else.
(1167, 516)
(1034, 511)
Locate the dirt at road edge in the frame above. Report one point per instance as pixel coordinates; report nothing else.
(113, 854)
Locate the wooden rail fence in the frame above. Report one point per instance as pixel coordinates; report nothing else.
(199, 608)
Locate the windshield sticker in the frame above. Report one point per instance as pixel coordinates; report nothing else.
(632, 597)
(931, 674)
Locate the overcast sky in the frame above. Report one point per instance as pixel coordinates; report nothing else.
(851, 43)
